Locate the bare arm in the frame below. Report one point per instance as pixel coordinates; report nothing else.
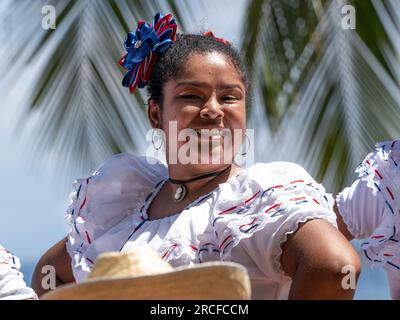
(314, 257)
(342, 225)
(58, 257)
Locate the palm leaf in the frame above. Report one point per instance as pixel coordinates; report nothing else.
(81, 113)
(337, 92)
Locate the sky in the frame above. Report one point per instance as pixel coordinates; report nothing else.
(33, 201)
(32, 208)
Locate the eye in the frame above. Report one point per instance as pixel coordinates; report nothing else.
(230, 98)
(189, 96)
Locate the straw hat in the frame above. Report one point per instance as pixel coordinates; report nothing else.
(142, 274)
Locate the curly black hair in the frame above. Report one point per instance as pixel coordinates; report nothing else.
(170, 63)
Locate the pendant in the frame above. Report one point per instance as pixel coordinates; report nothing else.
(180, 193)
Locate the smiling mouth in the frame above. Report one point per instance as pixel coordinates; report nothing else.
(210, 132)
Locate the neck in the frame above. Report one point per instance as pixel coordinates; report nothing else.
(201, 186)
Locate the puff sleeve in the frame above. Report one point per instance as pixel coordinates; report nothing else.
(281, 197)
(101, 201)
(370, 208)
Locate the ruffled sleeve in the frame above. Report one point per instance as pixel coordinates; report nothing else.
(279, 197)
(12, 284)
(104, 199)
(371, 210)
(360, 208)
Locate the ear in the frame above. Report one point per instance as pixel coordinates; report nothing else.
(154, 114)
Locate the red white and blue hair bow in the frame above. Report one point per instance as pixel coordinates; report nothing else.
(143, 46)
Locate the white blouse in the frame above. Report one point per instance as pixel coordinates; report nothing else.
(371, 210)
(244, 220)
(12, 284)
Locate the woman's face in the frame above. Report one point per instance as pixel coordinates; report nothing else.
(206, 105)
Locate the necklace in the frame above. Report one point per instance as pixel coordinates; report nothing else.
(181, 190)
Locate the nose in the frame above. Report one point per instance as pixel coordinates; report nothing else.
(212, 109)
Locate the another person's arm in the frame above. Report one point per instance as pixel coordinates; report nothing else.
(368, 210)
(58, 257)
(315, 257)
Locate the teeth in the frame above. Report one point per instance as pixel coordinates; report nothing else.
(212, 132)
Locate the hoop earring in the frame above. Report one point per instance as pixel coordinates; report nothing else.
(248, 144)
(152, 139)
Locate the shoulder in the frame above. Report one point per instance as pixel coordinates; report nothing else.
(126, 165)
(263, 206)
(117, 186)
(279, 172)
(124, 172)
(120, 182)
(281, 167)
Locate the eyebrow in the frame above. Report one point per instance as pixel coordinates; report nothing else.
(204, 84)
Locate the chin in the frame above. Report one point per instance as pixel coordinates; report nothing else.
(215, 158)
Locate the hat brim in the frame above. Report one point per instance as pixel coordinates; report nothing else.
(206, 281)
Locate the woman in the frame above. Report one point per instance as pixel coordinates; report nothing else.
(272, 218)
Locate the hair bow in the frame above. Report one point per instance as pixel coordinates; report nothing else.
(211, 35)
(143, 45)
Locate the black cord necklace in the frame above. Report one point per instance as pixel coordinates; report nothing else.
(181, 190)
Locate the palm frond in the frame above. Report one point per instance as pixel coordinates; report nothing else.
(339, 93)
(82, 113)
